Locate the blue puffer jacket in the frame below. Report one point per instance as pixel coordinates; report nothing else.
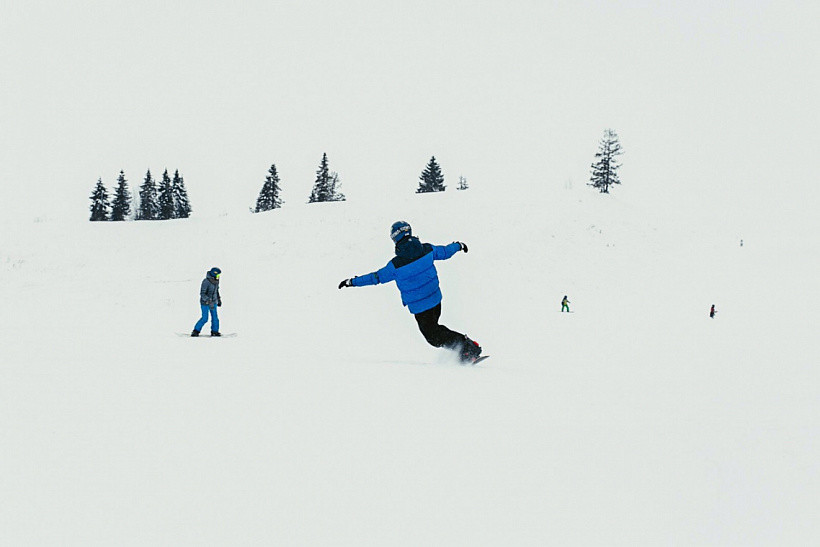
(209, 292)
(414, 273)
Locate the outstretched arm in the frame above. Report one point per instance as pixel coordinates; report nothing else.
(385, 275)
(443, 252)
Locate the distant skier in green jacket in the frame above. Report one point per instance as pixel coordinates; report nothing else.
(565, 305)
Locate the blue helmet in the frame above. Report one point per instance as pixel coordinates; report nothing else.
(214, 272)
(399, 230)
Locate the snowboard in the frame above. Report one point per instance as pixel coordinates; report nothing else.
(224, 335)
(477, 361)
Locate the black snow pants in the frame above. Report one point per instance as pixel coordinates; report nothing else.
(435, 334)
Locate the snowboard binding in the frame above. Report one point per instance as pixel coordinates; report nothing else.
(470, 351)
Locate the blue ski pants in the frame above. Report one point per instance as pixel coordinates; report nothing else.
(204, 319)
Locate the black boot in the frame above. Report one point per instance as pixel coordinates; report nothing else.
(470, 350)
(215, 333)
(194, 333)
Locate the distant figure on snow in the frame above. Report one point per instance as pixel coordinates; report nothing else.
(209, 300)
(565, 304)
(712, 312)
(415, 274)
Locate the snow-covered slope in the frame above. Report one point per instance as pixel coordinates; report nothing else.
(328, 420)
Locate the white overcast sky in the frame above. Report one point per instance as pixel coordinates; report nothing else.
(709, 98)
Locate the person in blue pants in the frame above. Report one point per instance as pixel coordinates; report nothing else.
(415, 274)
(209, 300)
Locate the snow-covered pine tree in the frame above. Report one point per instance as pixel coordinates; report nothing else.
(148, 208)
(462, 184)
(121, 205)
(182, 206)
(335, 184)
(605, 168)
(99, 202)
(321, 187)
(431, 179)
(166, 198)
(269, 194)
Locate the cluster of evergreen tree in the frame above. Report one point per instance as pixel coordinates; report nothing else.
(325, 188)
(162, 201)
(327, 184)
(168, 199)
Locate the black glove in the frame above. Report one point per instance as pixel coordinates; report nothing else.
(346, 283)
(219, 303)
(463, 246)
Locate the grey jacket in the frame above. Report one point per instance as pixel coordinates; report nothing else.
(209, 293)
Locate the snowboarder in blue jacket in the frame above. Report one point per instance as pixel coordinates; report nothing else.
(209, 300)
(414, 272)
